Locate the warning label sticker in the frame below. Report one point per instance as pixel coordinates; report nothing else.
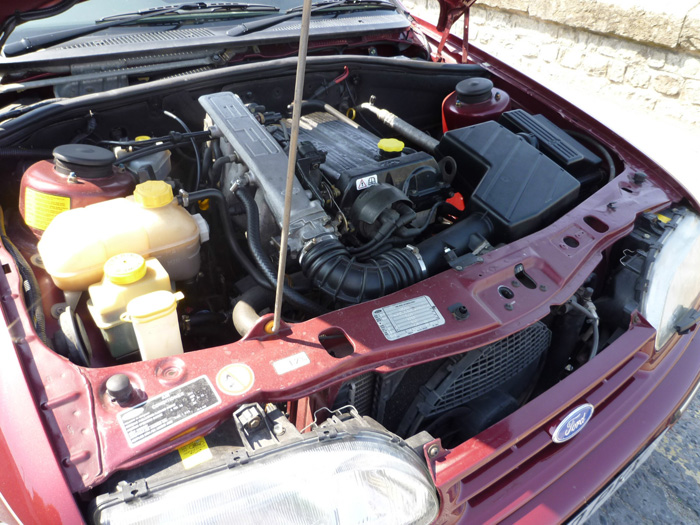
(164, 411)
(365, 182)
(41, 208)
(194, 453)
(408, 318)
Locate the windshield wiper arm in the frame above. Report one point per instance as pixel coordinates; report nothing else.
(27, 45)
(294, 12)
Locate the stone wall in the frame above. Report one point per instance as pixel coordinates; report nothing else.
(641, 52)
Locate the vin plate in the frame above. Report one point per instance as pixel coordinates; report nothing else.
(160, 413)
(408, 318)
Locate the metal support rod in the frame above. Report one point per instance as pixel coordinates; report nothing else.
(291, 165)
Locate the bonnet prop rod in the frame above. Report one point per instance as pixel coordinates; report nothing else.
(291, 165)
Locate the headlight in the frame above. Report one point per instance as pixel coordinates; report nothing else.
(368, 477)
(674, 275)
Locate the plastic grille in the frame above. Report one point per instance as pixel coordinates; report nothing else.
(142, 38)
(497, 363)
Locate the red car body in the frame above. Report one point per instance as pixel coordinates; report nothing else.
(59, 433)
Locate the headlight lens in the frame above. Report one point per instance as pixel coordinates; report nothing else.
(365, 479)
(674, 278)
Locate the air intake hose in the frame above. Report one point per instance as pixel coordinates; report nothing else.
(336, 273)
(341, 276)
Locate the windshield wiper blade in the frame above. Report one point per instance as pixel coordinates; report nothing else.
(264, 23)
(197, 7)
(27, 45)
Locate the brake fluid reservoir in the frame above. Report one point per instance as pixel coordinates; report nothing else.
(79, 175)
(126, 276)
(77, 243)
(154, 317)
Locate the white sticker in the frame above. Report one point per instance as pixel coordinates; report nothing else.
(408, 318)
(365, 182)
(235, 379)
(291, 363)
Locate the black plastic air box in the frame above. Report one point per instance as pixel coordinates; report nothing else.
(519, 187)
(570, 154)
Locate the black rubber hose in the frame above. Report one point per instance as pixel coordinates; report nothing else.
(255, 245)
(217, 168)
(245, 313)
(599, 148)
(217, 198)
(342, 277)
(461, 238)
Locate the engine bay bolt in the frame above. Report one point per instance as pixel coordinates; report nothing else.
(509, 306)
(612, 205)
(433, 451)
(459, 268)
(639, 178)
(119, 388)
(278, 430)
(515, 283)
(543, 287)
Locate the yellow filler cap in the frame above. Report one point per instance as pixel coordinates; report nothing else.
(125, 268)
(153, 194)
(141, 138)
(152, 306)
(391, 145)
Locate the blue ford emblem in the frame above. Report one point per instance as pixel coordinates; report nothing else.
(573, 423)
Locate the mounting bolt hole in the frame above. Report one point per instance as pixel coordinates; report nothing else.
(506, 292)
(571, 242)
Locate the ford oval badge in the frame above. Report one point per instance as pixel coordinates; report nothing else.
(573, 423)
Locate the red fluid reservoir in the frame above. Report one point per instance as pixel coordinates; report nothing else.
(474, 100)
(80, 175)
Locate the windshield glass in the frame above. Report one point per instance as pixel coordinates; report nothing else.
(85, 13)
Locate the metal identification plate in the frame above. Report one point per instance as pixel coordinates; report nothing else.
(164, 411)
(408, 317)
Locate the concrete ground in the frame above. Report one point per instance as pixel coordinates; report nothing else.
(666, 489)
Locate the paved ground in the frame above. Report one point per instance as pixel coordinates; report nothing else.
(666, 489)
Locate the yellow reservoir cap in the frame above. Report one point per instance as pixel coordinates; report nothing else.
(391, 145)
(125, 268)
(153, 194)
(152, 306)
(141, 138)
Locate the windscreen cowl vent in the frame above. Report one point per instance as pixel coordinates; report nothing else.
(142, 38)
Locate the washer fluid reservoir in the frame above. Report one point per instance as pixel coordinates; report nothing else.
(151, 223)
(79, 175)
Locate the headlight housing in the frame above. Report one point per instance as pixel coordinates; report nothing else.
(672, 274)
(325, 476)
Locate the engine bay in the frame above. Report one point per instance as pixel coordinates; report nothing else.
(149, 231)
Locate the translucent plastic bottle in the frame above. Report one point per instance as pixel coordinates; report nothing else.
(126, 276)
(77, 243)
(154, 318)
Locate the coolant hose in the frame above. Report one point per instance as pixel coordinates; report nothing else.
(217, 198)
(255, 244)
(245, 313)
(336, 273)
